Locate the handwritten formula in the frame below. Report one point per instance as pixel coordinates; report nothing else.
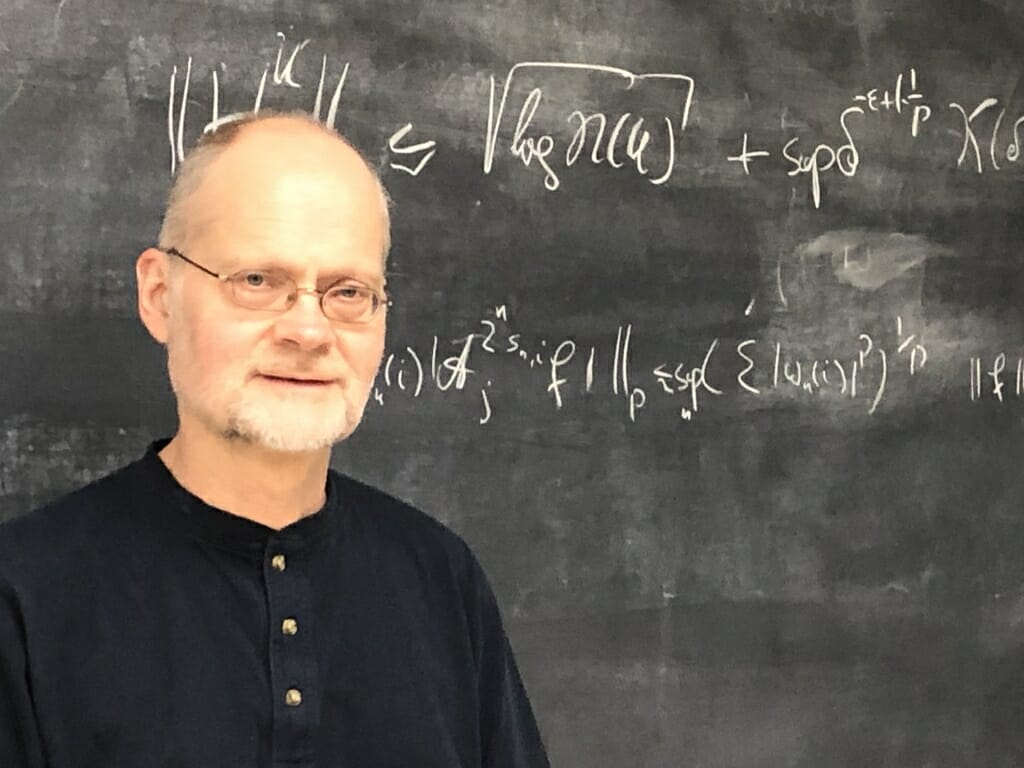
(861, 372)
(543, 121)
(642, 131)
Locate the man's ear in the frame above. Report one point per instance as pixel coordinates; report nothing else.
(152, 273)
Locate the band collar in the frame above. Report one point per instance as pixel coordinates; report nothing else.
(197, 518)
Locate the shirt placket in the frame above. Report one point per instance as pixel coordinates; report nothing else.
(294, 680)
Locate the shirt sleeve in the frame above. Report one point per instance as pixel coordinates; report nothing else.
(509, 736)
(19, 734)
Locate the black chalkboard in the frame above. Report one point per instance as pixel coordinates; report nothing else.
(707, 333)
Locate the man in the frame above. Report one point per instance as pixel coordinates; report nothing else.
(228, 600)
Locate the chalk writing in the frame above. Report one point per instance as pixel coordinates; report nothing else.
(283, 76)
(589, 129)
(904, 97)
(427, 148)
(862, 369)
(746, 155)
(999, 379)
(1008, 149)
(551, 136)
(844, 158)
(691, 380)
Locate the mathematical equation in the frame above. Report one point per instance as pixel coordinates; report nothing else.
(632, 140)
(864, 373)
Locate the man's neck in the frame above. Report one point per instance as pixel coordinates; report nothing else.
(246, 479)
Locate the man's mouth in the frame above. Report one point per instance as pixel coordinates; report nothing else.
(296, 380)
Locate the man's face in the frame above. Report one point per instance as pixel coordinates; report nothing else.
(290, 381)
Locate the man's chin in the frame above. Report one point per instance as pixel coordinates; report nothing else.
(288, 434)
(291, 445)
(283, 441)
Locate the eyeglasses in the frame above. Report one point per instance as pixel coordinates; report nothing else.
(274, 290)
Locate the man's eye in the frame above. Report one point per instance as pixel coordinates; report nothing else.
(259, 281)
(348, 293)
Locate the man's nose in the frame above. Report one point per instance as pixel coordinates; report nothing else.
(304, 323)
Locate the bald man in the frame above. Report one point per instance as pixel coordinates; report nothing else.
(228, 600)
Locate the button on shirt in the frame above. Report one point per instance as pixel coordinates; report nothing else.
(141, 627)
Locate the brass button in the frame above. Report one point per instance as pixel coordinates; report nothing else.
(293, 697)
(278, 562)
(289, 626)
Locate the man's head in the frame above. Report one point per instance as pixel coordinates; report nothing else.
(286, 194)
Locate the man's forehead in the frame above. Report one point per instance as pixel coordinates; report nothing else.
(281, 190)
(255, 180)
(259, 177)
(295, 201)
(281, 143)
(323, 246)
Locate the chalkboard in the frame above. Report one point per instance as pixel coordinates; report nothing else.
(707, 333)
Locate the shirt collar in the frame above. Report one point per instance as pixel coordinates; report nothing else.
(195, 517)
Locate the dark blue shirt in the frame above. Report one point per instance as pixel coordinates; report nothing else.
(141, 627)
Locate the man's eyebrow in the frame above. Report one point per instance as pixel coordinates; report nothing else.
(270, 263)
(257, 257)
(239, 259)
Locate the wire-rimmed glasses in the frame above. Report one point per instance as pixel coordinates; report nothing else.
(274, 290)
